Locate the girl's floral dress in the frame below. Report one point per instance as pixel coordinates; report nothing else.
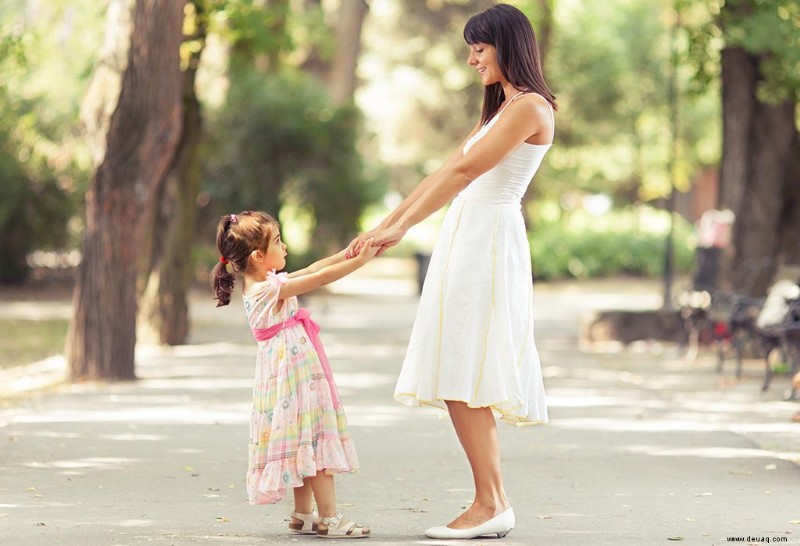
(295, 429)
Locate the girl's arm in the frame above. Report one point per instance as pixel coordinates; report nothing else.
(507, 134)
(316, 266)
(326, 274)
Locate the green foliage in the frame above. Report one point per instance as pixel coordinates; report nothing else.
(609, 67)
(770, 29)
(277, 29)
(246, 21)
(619, 243)
(279, 140)
(35, 205)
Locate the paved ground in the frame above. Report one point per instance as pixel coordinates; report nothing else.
(642, 447)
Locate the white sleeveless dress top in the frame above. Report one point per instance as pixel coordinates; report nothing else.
(472, 339)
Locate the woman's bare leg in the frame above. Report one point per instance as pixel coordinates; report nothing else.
(477, 432)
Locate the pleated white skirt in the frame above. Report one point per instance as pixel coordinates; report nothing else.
(472, 339)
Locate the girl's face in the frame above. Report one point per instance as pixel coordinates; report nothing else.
(483, 58)
(275, 257)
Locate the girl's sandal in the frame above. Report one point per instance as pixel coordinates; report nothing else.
(309, 526)
(335, 528)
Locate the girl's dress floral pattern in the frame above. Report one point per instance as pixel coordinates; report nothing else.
(295, 431)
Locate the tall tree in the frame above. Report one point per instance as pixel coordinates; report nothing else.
(169, 226)
(342, 76)
(760, 169)
(134, 152)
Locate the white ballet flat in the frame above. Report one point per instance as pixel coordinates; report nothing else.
(499, 525)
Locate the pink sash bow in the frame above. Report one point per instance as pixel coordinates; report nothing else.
(303, 316)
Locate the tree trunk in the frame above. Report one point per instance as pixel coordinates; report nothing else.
(790, 249)
(315, 63)
(140, 143)
(758, 227)
(342, 80)
(739, 79)
(759, 147)
(167, 275)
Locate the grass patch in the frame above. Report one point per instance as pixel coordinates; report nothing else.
(26, 341)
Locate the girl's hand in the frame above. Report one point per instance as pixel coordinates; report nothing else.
(367, 251)
(357, 243)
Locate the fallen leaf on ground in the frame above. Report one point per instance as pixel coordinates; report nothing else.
(223, 519)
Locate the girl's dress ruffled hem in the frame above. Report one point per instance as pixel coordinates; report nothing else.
(271, 484)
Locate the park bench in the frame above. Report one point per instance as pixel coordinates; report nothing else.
(721, 319)
(778, 327)
(731, 320)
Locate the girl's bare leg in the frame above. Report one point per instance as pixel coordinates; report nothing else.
(477, 432)
(324, 493)
(303, 500)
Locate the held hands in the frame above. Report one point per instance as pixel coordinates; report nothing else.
(357, 243)
(365, 252)
(382, 238)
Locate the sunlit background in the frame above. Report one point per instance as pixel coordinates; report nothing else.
(328, 112)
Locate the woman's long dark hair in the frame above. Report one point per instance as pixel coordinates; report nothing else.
(509, 31)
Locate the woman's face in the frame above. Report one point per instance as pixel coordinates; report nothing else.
(483, 58)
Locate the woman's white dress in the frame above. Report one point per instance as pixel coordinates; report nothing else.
(472, 339)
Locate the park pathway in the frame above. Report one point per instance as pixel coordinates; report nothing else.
(642, 449)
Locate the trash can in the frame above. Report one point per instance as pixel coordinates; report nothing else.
(714, 231)
(423, 259)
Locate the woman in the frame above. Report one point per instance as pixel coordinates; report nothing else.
(471, 350)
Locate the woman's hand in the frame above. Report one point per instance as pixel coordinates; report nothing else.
(388, 237)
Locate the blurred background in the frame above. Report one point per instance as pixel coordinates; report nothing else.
(127, 129)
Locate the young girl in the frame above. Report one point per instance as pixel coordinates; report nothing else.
(298, 429)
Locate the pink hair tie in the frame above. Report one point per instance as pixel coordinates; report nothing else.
(234, 219)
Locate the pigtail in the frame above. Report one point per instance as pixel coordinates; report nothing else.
(222, 281)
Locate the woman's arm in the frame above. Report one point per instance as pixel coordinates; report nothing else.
(326, 274)
(420, 189)
(507, 134)
(423, 186)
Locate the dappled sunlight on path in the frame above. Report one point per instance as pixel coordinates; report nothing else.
(641, 445)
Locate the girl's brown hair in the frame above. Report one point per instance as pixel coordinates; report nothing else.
(238, 235)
